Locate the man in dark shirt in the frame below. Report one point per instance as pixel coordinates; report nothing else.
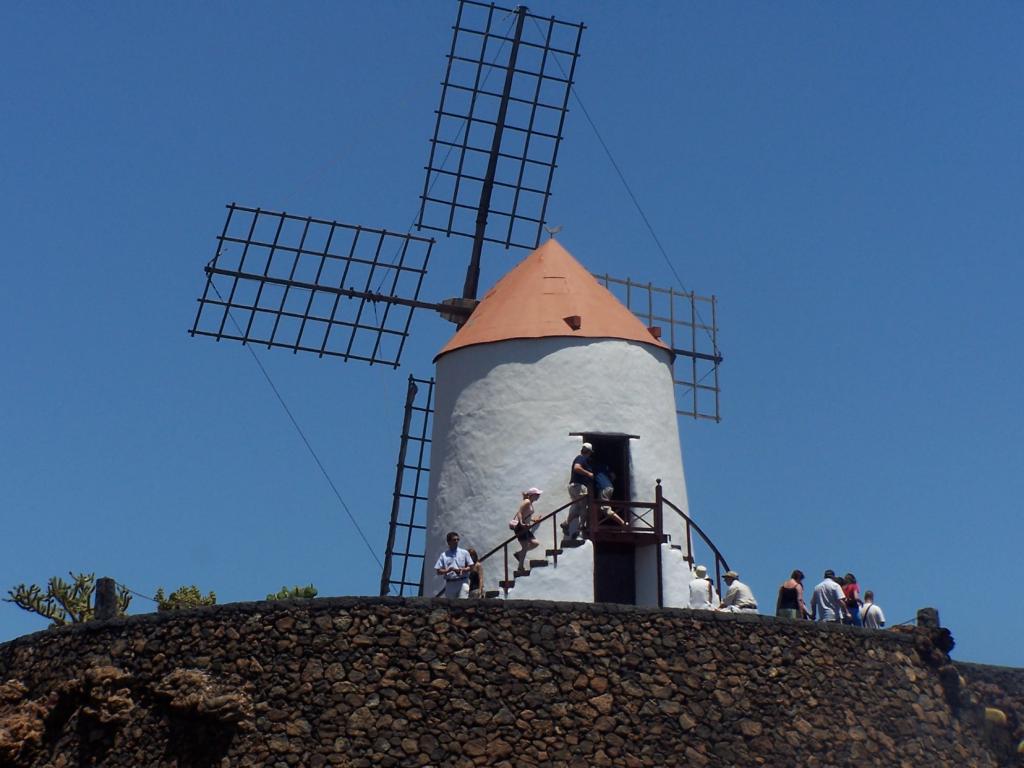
(581, 477)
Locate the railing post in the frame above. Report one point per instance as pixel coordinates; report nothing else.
(659, 531)
(554, 538)
(504, 583)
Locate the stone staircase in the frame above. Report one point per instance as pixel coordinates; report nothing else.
(546, 561)
(522, 573)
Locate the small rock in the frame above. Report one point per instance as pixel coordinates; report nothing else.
(751, 728)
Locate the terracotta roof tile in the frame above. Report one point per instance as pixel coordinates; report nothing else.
(549, 293)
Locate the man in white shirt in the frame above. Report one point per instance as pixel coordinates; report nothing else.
(870, 614)
(828, 603)
(702, 592)
(738, 598)
(454, 564)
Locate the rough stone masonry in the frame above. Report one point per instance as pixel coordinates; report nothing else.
(421, 682)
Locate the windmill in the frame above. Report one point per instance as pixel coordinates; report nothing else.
(350, 291)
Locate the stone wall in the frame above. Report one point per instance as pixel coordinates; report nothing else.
(395, 682)
(999, 691)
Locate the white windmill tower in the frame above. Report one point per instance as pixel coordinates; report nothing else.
(548, 358)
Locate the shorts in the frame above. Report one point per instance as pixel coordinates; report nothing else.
(524, 532)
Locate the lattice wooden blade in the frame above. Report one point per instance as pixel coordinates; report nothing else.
(313, 285)
(688, 323)
(403, 558)
(499, 124)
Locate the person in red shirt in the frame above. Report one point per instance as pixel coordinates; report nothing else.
(852, 593)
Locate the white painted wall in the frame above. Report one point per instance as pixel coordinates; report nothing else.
(572, 580)
(646, 573)
(503, 414)
(675, 578)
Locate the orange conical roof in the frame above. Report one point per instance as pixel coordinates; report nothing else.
(542, 296)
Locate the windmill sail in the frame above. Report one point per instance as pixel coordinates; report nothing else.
(313, 285)
(403, 558)
(499, 125)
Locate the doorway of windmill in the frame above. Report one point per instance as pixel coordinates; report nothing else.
(611, 449)
(614, 562)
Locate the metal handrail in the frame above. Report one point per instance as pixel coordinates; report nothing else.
(553, 516)
(504, 545)
(594, 522)
(719, 560)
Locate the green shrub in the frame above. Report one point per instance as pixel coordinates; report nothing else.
(183, 597)
(288, 594)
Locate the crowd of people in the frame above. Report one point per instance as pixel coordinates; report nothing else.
(836, 598)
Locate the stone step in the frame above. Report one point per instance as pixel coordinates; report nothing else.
(490, 593)
(520, 573)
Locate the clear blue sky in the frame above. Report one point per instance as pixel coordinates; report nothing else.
(846, 178)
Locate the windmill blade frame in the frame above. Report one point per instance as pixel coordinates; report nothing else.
(313, 285)
(404, 554)
(494, 151)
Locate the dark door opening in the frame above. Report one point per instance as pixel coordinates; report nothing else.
(614, 573)
(612, 449)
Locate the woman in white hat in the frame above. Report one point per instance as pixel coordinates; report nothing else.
(523, 524)
(702, 591)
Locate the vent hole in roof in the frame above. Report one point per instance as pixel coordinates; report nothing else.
(556, 285)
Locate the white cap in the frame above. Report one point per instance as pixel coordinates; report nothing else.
(588, 447)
